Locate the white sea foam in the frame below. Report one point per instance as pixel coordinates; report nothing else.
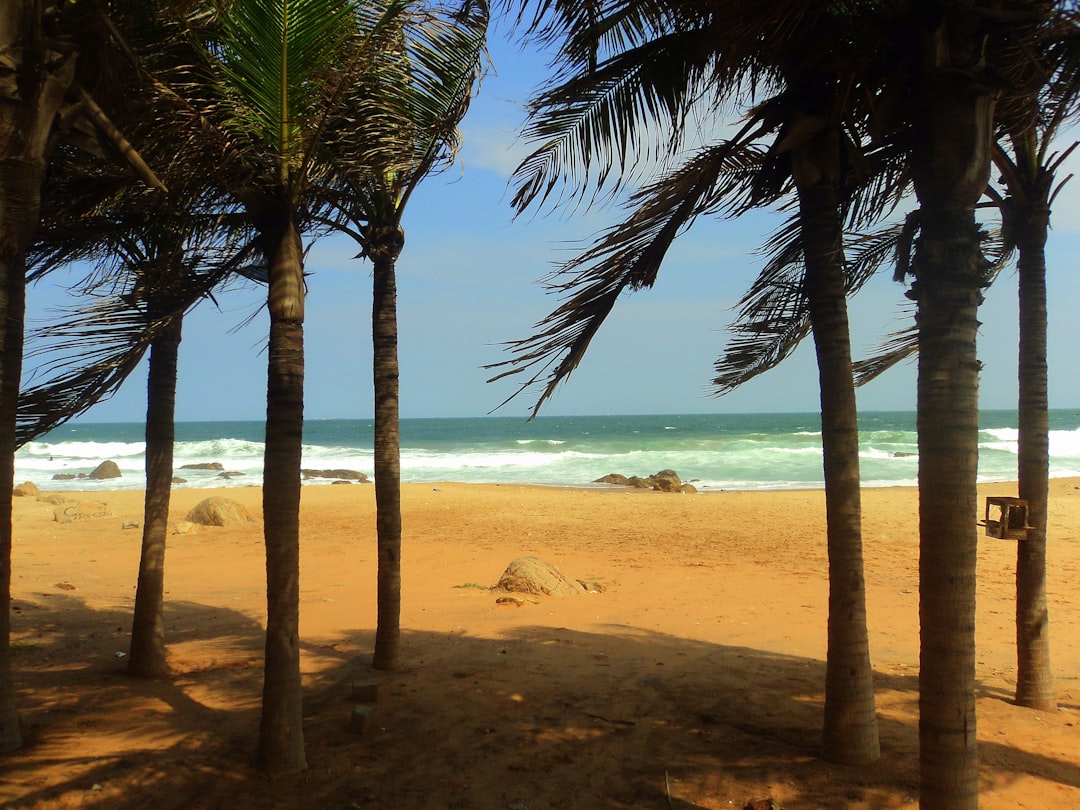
(766, 452)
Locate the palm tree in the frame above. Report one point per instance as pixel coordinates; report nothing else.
(37, 80)
(152, 265)
(26, 122)
(269, 77)
(404, 105)
(811, 120)
(1028, 171)
(949, 63)
(952, 61)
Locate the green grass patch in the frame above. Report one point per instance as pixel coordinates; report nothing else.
(473, 585)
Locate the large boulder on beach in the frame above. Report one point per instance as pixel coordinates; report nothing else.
(105, 470)
(26, 490)
(203, 465)
(666, 481)
(533, 575)
(219, 511)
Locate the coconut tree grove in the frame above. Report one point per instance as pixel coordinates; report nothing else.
(170, 149)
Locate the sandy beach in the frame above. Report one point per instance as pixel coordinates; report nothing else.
(693, 680)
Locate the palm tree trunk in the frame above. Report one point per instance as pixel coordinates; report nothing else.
(12, 308)
(1034, 679)
(950, 165)
(850, 729)
(949, 282)
(384, 333)
(147, 652)
(32, 86)
(281, 734)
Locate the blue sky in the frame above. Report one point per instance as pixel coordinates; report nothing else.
(468, 282)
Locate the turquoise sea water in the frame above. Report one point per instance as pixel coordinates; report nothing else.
(718, 451)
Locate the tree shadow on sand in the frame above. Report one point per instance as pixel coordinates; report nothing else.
(91, 732)
(540, 717)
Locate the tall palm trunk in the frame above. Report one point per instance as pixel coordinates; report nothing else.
(850, 731)
(12, 308)
(386, 247)
(33, 82)
(147, 652)
(950, 168)
(948, 288)
(1034, 680)
(281, 734)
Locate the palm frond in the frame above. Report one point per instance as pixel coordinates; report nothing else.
(404, 96)
(95, 355)
(600, 131)
(900, 345)
(774, 315)
(625, 258)
(268, 58)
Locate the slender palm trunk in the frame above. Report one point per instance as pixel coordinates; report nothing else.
(384, 333)
(147, 655)
(281, 734)
(12, 308)
(1034, 679)
(33, 82)
(850, 730)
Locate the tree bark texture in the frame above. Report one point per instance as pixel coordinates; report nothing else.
(147, 653)
(1034, 678)
(33, 81)
(950, 163)
(949, 278)
(281, 734)
(850, 733)
(386, 248)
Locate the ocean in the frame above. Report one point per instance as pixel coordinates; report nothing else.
(716, 451)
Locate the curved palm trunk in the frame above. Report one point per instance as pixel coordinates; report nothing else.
(850, 731)
(387, 247)
(28, 107)
(1034, 679)
(950, 168)
(147, 652)
(281, 734)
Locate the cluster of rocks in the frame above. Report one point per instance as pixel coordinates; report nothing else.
(65, 508)
(103, 471)
(209, 466)
(109, 469)
(663, 481)
(339, 476)
(213, 511)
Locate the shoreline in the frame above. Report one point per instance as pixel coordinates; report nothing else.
(1060, 483)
